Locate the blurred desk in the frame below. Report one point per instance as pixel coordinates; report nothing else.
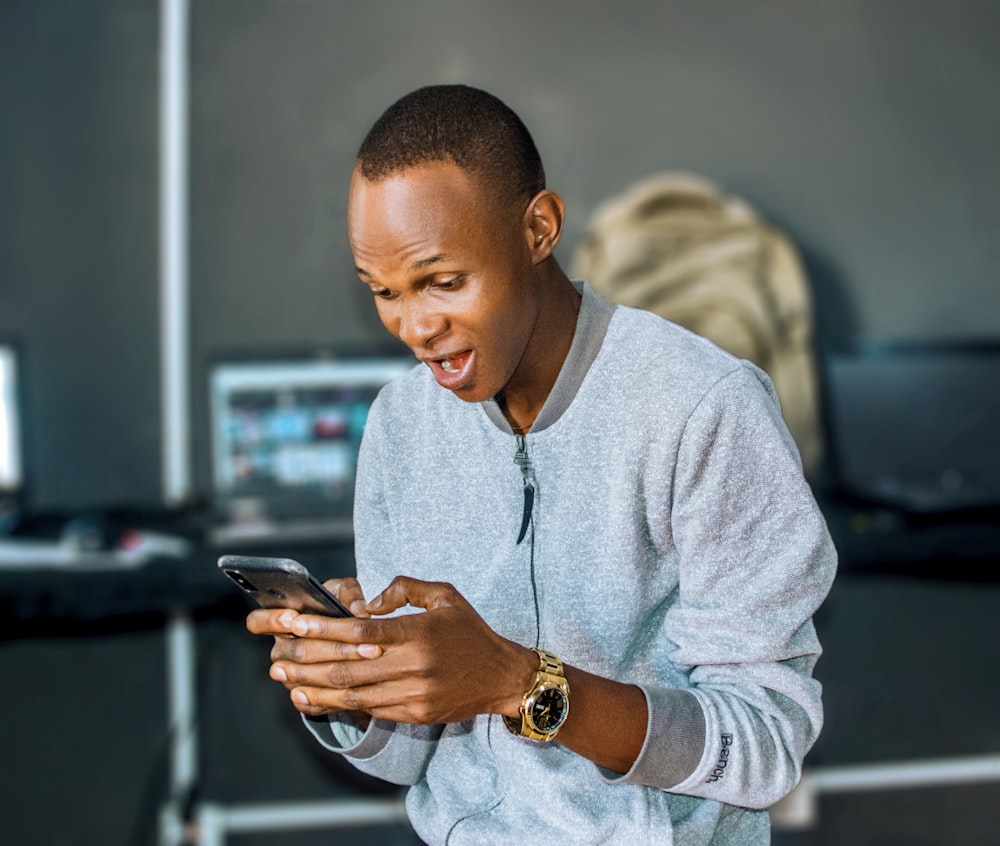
(876, 538)
(46, 584)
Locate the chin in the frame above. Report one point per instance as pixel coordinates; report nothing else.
(468, 395)
(474, 393)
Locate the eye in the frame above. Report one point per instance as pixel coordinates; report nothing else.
(449, 283)
(381, 293)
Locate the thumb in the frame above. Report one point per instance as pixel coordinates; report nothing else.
(416, 593)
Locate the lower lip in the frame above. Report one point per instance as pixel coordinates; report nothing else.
(453, 380)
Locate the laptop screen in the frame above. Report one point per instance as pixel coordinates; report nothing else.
(285, 435)
(916, 427)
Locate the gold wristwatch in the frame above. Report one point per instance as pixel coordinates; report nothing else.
(545, 706)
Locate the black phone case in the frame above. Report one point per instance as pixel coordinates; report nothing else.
(281, 583)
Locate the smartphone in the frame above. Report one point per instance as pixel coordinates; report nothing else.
(281, 583)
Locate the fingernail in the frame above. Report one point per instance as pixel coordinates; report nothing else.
(369, 650)
(375, 603)
(279, 674)
(299, 698)
(300, 626)
(286, 619)
(358, 607)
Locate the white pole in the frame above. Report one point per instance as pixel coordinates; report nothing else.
(174, 413)
(182, 717)
(174, 395)
(214, 821)
(926, 773)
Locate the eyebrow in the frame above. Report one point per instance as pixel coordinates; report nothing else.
(419, 264)
(426, 262)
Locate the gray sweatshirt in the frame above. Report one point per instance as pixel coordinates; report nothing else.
(672, 543)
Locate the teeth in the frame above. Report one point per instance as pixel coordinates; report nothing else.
(447, 366)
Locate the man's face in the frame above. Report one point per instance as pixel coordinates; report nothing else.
(451, 272)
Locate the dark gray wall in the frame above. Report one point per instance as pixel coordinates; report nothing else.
(866, 128)
(78, 254)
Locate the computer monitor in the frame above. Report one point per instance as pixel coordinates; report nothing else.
(915, 426)
(285, 439)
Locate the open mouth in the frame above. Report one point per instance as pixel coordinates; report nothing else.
(452, 371)
(453, 364)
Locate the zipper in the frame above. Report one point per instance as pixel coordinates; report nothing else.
(523, 461)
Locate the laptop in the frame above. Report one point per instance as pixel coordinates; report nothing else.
(916, 428)
(284, 445)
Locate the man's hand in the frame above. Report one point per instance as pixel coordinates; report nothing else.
(280, 622)
(441, 666)
(444, 665)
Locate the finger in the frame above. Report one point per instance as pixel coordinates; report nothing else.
(328, 700)
(335, 675)
(315, 701)
(309, 651)
(414, 592)
(354, 630)
(388, 701)
(271, 621)
(311, 711)
(303, 698)
(348, 591)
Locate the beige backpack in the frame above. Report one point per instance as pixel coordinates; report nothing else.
(673, 244)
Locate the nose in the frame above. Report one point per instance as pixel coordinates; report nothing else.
(419, 322)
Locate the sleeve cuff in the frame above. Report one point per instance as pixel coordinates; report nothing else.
(341, 734)
(674, 744)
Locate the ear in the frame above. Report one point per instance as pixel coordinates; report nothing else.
(543, 221)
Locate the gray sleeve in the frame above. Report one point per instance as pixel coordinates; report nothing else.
(394, 752)
(756, 562)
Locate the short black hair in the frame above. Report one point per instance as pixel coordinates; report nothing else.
(460, 124)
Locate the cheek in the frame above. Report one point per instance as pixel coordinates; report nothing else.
(511, 317)
(387, 315)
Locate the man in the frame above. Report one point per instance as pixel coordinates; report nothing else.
(598, 518)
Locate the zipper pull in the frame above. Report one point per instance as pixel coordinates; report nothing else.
(524, 462)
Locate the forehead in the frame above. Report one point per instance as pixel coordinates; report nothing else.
(422, 207)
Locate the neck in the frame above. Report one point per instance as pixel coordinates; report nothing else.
(523, 397)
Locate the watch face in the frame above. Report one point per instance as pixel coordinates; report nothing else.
(549, 710)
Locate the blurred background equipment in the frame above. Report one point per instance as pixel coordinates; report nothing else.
(674, 244)
(11, 474)
(914, 426)
(285, 439)
(912, 477)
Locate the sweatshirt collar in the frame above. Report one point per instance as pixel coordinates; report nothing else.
(591, 327)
